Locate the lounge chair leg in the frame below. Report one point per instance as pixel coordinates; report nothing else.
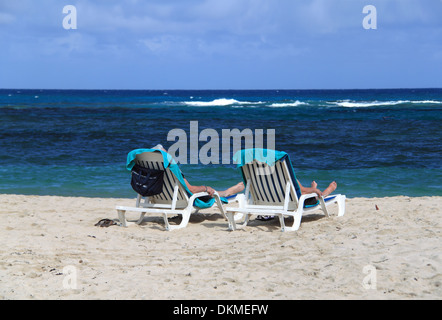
(166, 222)
(231, 220)
(141, 218)
(220, 206)
(185, 221)
(281, 222)
(324, 207)
(246, 219)
(183, 224)
(296, 222)
(122, 218)
(341, 205)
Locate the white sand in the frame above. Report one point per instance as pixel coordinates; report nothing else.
(398, 245)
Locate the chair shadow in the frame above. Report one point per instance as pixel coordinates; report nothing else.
(214, 220)
(274, 224)
(195, 218)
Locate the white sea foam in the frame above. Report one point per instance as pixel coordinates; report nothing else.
(287, 104)
(427, 101)
(217, 102)
(354, 104)
(357, 104)
(340, 103)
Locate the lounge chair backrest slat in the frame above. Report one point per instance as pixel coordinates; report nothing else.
(249, 173)
(284, 170)
(263, 184)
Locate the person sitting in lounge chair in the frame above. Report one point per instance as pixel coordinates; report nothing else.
(239, 187)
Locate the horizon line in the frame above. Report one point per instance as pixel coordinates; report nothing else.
(275, 89)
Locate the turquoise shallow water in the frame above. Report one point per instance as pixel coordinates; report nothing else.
(372, 142)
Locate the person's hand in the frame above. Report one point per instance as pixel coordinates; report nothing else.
(210, 191)
(317, 191)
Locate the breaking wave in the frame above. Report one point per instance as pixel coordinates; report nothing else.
(362, 104)
(216, 103)
(288, 104)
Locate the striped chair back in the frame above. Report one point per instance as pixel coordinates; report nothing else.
(267, 184)
(154, 160)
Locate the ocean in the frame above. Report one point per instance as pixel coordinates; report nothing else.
(373, 143)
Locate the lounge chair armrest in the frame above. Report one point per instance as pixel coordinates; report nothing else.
(305, 197)
(308, 196)
(202, 194)
(199, 194)
(196, 195)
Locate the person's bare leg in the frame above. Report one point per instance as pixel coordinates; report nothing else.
(332, 187)
(232, 190)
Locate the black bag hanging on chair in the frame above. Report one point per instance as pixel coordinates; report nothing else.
(147, 182)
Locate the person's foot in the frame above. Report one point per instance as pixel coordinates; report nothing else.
(238, 188)
(332, 187)
(314, 184)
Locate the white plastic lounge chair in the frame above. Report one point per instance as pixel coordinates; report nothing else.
(175, 199)
(272, 189)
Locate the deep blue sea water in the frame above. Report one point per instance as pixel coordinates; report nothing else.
(75, 142)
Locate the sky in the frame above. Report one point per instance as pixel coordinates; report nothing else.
(220, 44)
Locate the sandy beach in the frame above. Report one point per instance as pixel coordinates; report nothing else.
(52, 250)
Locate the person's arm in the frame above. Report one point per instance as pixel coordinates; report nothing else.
(197, 189)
